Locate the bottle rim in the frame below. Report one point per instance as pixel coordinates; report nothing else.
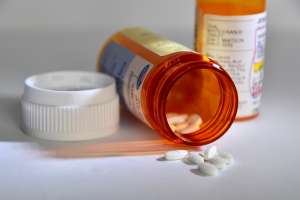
(167, 75)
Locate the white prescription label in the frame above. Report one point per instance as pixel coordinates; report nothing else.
(238, 44)
(133, 83)
(130, 71)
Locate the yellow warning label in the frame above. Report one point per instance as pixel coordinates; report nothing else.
(259, 66)
(154, 42)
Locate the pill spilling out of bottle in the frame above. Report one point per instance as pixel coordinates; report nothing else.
(208, 163)
(184, 123)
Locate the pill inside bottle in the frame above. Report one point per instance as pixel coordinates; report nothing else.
(158, 79)
(196, 94)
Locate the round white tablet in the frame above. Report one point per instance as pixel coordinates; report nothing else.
(189, 129)
(226, 156)
(195, 157)
(173, 128)
(218, 162)
(210, 152)
(194, 119)
(181, 126)
(176, 155)
(177, 119)
(208, 169)
(171, 115)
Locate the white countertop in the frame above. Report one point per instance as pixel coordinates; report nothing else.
(129, 164)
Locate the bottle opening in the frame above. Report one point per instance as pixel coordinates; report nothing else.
(207, 93)
(195, 93)
(193, 88)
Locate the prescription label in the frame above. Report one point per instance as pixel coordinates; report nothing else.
(130, 71)
(238, 44)
(153, 42)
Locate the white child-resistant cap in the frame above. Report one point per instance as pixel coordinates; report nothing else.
(70, 106)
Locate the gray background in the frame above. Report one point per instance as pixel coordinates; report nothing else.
(42, 36)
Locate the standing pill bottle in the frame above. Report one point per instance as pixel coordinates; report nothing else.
(233, 32)
(155, 76)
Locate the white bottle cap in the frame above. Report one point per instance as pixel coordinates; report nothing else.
(70, 106)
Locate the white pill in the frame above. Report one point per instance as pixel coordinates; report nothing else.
(195, 157)
(218, 162)
(226, 156)
(173, 128)
(210, 152)
(190, 129)
(177, 119)
(194, 119)
(171, 114)
(208, 169)
(181, 126)
(176, 155)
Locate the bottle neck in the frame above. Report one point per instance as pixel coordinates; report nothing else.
(192, 84)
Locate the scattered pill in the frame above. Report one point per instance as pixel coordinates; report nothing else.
(208, 169)
(195, 157)
(171, 114)
(177, 119)
(226, 156)
(173, 128)
(194, 119)
(176, 155)
(210, 152)
(181, 126)
(190, 129)
(218, 162)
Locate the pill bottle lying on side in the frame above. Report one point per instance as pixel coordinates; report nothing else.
(156, 76)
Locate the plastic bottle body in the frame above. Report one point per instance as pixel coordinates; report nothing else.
(156, 76)
(233, 33)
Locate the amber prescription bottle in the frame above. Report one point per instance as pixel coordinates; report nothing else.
(155, 76)
(233, 32)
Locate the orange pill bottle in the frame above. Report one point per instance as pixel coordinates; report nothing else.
(233, 32)
(155, 76)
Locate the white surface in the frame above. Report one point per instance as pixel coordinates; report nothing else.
(130, 164)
